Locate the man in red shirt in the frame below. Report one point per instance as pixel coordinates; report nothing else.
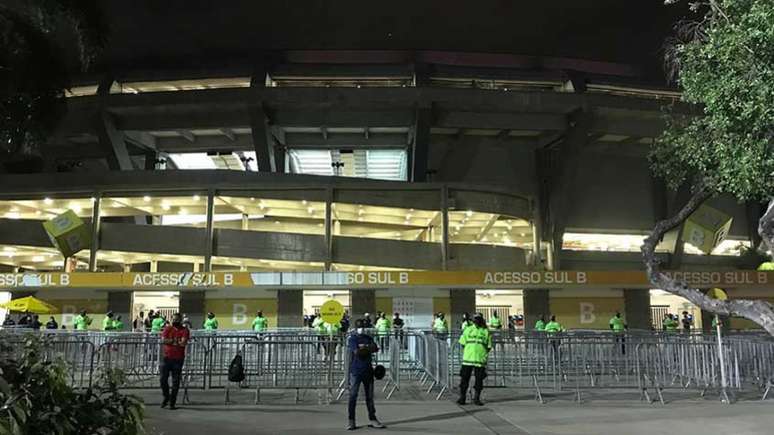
(174, 339)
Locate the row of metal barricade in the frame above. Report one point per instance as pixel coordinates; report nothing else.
(299, 360)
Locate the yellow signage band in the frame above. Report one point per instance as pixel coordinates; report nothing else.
(379, 279)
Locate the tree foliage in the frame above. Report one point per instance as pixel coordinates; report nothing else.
(724, 63)
(33, 70)
(35, 397)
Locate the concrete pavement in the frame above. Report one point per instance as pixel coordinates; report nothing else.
(411, 412)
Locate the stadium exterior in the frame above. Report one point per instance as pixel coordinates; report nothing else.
(383, 174)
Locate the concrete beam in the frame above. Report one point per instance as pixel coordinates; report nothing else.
(346, 140)
(113, 144)
(421, 145)
(500, 120)
(263, 141)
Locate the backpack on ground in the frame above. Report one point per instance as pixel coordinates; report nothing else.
(236, 370)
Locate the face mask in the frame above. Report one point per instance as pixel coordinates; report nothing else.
(361, 331)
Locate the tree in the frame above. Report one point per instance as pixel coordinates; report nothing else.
(34, 68)
(723, 59)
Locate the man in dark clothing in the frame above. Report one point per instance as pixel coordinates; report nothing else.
(35, 323)
(8, 321)
(174, 338)
(148, 322)
(24, 320)
(51, 324)
(361, 348)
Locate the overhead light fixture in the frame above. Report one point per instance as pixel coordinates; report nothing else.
(310, 210)
(252, 199)
(12, 215)
(522, 234)
(9, 249)
(38, 258)
(165, 206)
(146, 198)
(469, 213)
(48, 201)
(360, 219)
(276, 222)
(196, 197)
(76, 208)
(14, 209)
(182, 212)
(38, 212)
(303, 201)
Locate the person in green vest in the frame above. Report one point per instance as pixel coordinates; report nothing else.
(669, 323)
(118, 324)
(82, 321)
(618, 326)
(157, 324)
(552, 327)
(107, 322)
(716, 320)
(476, 344)
(260, 323)
(440, 328)
(466, 322)
(495, 322)
(540, 325)
(211, 324)
(383, 325)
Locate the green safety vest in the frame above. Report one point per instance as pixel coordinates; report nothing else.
(495, 323)
(476, 342)
(118, 325)
(617, 323)
(553, 327)
(107, 324)
(211, 324)
(540, 325)
(157, 324)
(82, 322)
(670, 324)
(465, 325)
(331, 328)
(383, 326)
(439, 325)
(260, 324)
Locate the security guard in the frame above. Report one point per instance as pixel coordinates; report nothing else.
(439, 325)
(118, 324)
(107, 322)
(477, 343)
(553, 326)
(260, 323)
(495, 322)
(157, 324)
(383, 325)
(82, 321)
(466, 322)
(669, 323)
(618, 326)
(211, 324)
(540, 325)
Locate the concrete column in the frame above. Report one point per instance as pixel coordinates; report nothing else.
(637, 308)
(120, 303)
(536, 304)
(461, 301)
(192, 305)
(290, 308)
(363, 301)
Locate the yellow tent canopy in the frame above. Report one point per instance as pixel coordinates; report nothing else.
(30, 304)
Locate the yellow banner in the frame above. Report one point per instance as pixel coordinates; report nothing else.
(380, 279)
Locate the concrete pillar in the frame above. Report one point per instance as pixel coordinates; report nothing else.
(120, 303)
(290, 308)
(461, 301)
(536, 304)
(192, 305)
(363, 301)
(637, 308)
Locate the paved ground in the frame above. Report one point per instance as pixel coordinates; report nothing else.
(411, 412)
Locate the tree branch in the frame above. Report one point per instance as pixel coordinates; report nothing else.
(766, 226)
(760, 312)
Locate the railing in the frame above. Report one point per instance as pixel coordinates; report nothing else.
(578, 362)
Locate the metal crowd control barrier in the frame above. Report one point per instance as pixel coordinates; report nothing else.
(300, 359)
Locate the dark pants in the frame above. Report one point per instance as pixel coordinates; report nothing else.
(619, 338)
(175, 367)
(465, 372)
(367, 379)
